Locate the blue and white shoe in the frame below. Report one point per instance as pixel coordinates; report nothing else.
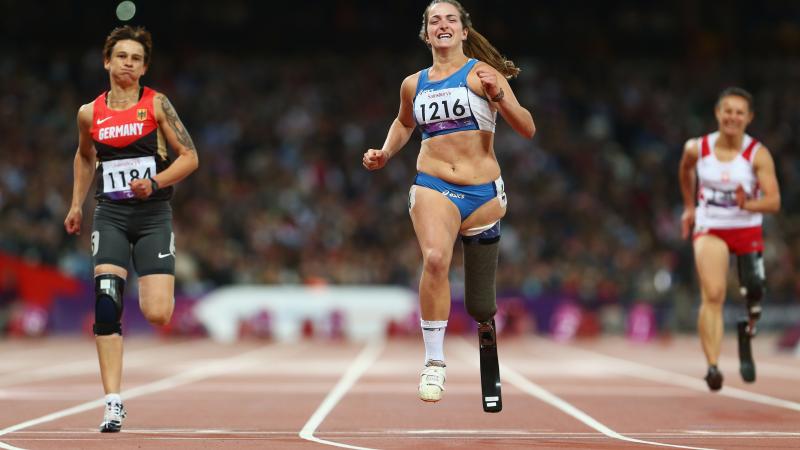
(112, 418)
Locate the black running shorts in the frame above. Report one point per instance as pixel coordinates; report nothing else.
(142, 230)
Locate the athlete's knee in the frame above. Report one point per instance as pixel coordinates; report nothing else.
(436, 261)
(158, 311)
(712, 303)
(714, 295)
(109, 290)
(480, 267)
(159, 318)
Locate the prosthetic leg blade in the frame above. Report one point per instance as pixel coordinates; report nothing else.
(747, 368)
(490, 368)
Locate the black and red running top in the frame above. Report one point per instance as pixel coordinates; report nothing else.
(129, 146)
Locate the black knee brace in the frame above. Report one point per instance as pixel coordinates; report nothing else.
(480, 267)
(753, 281)
(108, 289)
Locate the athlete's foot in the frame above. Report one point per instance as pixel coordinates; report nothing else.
(714, 378)
(112, 418)
(431, 381)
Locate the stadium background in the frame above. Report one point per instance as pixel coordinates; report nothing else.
(282, 100)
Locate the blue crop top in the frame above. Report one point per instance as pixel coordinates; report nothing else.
(449, 105)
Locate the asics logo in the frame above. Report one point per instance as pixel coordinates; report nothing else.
(162, 256)
(99, 121)
(447, 193)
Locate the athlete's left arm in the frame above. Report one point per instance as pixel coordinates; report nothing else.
(179, 140)
(502, 97)
(770, 201)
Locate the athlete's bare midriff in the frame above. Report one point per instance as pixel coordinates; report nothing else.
(465, 157)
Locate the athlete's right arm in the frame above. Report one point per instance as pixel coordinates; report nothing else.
(83, 170)
(400, 131)
(688, 181)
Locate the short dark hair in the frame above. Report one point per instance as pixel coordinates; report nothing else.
(738, 92)
(138, 34)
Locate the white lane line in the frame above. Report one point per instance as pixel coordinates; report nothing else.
(363, 361)
(470, 354)
(432, 433)
(634, 369)
(736, 434)
(214, 368)
(138, 358)
(770, 369)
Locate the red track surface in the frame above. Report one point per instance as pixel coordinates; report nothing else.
(584, 395)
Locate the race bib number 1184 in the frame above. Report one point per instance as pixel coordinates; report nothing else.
(118, 174)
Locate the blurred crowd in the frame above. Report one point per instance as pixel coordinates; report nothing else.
(281, 197)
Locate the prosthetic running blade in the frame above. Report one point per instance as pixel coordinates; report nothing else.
(490, 368)
(747, 367)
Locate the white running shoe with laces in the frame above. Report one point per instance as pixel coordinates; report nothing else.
(112, 418)
(431, 383)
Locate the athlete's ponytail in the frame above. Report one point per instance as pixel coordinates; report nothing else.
(476, 46)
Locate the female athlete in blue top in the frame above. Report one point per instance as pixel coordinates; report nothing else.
(458, 189)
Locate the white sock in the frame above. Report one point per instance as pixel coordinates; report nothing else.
(113, 398)
(433, 335)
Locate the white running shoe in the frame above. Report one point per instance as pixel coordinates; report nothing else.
(431, 383)
(112, 418)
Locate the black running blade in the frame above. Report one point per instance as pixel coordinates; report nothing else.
(490, 368)
(747, 367)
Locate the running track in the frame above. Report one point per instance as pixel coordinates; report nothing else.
(593, 394)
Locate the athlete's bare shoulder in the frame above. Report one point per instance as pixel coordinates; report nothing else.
(159, 99)
(86, 108)
(763, 157)
(409, 86)
(692, 147)
(162, 106)
(411, 80)
(85, 113)
(480, 65)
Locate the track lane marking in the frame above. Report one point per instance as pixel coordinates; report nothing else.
(650, 373)
(214, 368)
(521, 382)
(363, 361)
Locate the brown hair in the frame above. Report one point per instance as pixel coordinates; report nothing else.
(138, 34)
(476, 46)
(736, 92)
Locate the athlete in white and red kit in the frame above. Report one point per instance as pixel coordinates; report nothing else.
(728, 180)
